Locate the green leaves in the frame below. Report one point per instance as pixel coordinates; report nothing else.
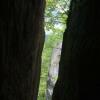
(56, 13)
(55, 24)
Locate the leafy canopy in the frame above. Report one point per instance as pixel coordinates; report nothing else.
(55, 23)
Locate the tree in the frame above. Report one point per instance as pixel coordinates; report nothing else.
(21, 44)
(55, 24)
(79, 70)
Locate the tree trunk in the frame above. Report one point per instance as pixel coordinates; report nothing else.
(21, 43)
(79, 74)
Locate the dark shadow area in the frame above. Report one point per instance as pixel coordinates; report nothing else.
(79, 76)
(21, 44)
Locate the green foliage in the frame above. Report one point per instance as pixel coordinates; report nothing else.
(56, 13)
(50, 43)
(55, 24)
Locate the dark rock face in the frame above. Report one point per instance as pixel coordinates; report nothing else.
(53, 70)
(21, 43)
(79, 74)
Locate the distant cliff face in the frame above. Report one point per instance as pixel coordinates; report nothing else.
(53, 70)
